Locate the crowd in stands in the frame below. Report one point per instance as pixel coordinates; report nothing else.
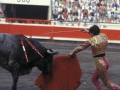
(86, 11)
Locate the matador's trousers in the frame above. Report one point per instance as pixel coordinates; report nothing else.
(102, 66)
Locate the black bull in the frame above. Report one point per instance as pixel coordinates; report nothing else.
(12, 57)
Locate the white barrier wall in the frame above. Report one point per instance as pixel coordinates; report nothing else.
(27, 2)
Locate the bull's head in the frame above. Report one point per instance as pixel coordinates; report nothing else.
(46, 62)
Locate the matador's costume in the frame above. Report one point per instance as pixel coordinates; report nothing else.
(98, 45)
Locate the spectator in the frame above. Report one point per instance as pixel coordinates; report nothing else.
(118, 10)
(102, 2)
(69, 3)
(52, 5)
(109, 7)
(109, 14)
(93, 5)
(65, 15)
(75, 11)
(90, 11)
(81, 3)
(76, 18)
(79, 17)
(85, 14)
(65, 6)
(1, 14)
(103, 12)
(85, 10)
(60, 17)
(56, 3)
(116, 14)
(70, 17)
(115, 4)
(98, 4)
(55, 14)
(96, 14)
(112, 17)
(90, 17)
(69, 9)
(118, 18)
(1, 11)
(60, 9)
(112, 10)
(76, 3)
(61, 4)
(86, 2)
(79, 11)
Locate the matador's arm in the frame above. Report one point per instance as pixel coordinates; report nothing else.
(80, 48)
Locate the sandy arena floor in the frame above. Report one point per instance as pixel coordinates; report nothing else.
(86, 61)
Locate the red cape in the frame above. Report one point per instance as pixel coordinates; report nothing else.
(65, 74)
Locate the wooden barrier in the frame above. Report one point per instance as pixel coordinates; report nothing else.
(28, 21)
(55, 32)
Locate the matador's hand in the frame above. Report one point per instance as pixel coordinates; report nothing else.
(84, 30)
(71, 54)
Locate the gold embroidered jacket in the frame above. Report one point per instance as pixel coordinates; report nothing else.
(98, 44)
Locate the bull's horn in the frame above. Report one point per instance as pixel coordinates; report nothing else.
(50, 52)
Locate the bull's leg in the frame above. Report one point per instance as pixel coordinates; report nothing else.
(14, 71)
(15, 80)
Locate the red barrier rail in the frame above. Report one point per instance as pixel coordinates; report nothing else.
(55, 32)
(28, 21)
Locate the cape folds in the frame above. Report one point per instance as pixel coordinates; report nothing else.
(65, 74)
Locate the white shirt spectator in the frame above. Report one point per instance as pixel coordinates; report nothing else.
(69, 9)
(97, 15)
(109, 8)
(61, 4)
(86, 6)
(112, 9)
(56, 3)
(81, 16)
(83, 7)
(70, 17)
(81, 4)
(60, 9)
(76, 8)
(90, 11)
(90, 18)
(79, 11)
(93, 7)
(118, 21)
(97, 1)
(109, 14)
(86, 2)
(119, 16)
(95, 19)
(119, 10)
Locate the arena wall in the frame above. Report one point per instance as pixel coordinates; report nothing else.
(68, 33)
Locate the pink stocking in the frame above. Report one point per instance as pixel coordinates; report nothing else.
(117, 87)
(95, 80)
